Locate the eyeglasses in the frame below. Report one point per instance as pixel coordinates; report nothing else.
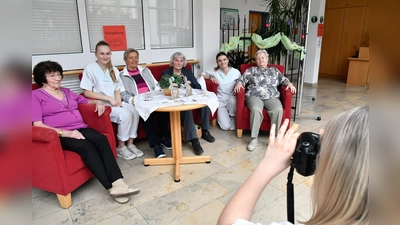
(54, 76)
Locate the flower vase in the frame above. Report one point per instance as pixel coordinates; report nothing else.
(167, 92)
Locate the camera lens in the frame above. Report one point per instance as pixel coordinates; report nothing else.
(305, 144)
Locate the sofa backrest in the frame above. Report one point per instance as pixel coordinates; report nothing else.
(157, 70)
(35, 86)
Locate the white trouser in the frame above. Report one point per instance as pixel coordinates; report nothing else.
(226, 110)
(127, 119)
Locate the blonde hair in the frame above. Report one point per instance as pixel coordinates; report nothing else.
(340, 188)
(110, 67)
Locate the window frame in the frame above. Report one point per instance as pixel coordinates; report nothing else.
(192, 27)
(78, 61)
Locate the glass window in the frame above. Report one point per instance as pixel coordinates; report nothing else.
(55, 27)
(115, 12)
(171, 23)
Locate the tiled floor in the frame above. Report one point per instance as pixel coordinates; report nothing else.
(204, 188)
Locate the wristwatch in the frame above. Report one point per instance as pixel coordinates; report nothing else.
(60, 133)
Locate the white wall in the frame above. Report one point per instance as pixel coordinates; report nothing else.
(207, 33)
(251, 5)
(317, 8)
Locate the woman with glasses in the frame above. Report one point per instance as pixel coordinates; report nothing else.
(56, 108)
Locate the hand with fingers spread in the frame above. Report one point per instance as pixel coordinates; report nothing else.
(276, 159)
(280, 148)
(341, 181)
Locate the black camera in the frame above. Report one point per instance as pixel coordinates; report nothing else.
(304, 161)
(305, 154)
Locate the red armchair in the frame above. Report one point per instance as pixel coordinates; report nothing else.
(243, 112)
(59, 171)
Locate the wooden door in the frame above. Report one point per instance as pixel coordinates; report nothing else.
(351, 3)
(351, 37)
(365, 34)
(333, 4)
(331, 41)
(255, 20)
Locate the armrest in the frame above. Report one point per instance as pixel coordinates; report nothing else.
(286, 99)
(49, 168)
(90, 117)
(100, 123)
(211, 86)
(42, 134)
(240, 103)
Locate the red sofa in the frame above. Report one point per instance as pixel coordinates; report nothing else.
(59, 171)
(243, 112)
(156, 70)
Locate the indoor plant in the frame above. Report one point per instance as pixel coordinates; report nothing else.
(164, 82)
(237, 58)
(287, 17)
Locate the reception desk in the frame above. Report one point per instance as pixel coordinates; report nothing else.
(359, 68)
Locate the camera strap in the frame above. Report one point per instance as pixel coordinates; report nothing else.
(290, 195)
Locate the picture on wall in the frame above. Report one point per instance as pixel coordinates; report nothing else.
(229, 18)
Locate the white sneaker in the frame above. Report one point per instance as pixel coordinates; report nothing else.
(233, 124)
(123, 191)
(132, 148)
(125, 153)
(252, 145)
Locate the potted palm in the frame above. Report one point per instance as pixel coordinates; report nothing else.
(285, 17)
(167, 80)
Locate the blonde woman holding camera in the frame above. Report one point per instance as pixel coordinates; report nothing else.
(340, 186)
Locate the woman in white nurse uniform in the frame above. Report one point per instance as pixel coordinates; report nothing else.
(225, 77)
(99, 81)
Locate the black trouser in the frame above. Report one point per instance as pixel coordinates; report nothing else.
(96, 154)
(150, 127)
(205, 117)
(188, 122)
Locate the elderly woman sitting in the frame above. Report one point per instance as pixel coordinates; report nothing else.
(56, 108)
(178, 63)
(136, 80)
(262, 92)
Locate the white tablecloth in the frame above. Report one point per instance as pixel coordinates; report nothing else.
(148, 102)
